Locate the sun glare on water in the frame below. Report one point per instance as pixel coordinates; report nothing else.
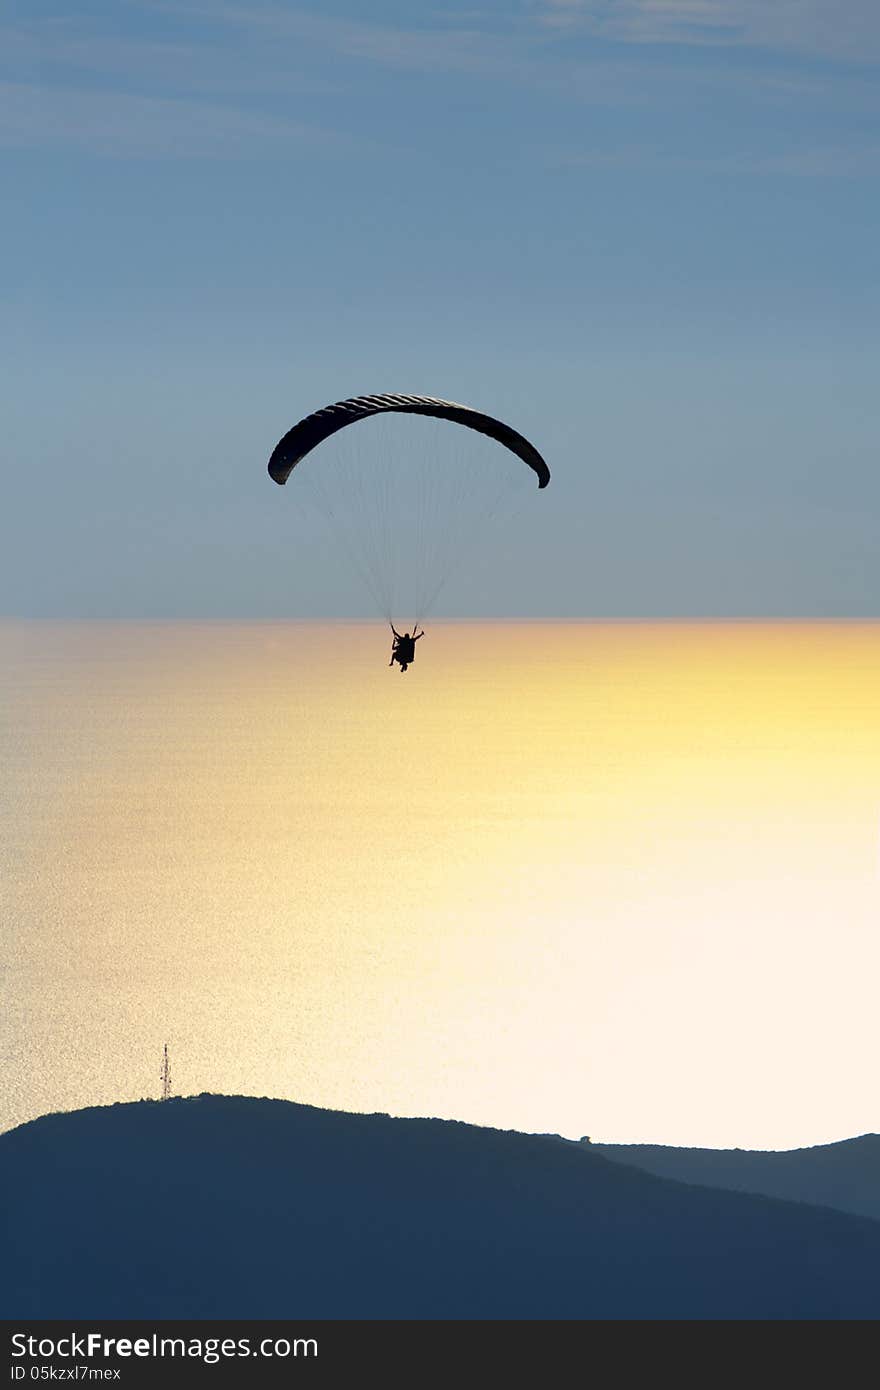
(616, 879)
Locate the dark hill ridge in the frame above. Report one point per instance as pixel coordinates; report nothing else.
(225, 1207)
(845, 1175)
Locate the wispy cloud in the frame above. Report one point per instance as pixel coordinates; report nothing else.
(463, 46)
(116, 92)
(812, 161)
(68, 84)
(209, 94)
(193, 78)
(531, 47)
(122, 124)
(825, 28)
(73, 48)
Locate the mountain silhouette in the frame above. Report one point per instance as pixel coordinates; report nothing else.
(845, 1175)
(234, 1207)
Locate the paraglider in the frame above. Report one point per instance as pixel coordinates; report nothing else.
(405, 506)
(403, 649)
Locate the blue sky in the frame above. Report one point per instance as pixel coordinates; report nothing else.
(644, 231)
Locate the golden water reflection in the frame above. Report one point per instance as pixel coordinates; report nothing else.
(618, 879)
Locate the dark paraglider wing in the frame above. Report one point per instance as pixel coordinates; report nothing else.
(407, 497)
(314, 429)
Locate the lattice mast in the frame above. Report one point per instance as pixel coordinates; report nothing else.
(165, 1075)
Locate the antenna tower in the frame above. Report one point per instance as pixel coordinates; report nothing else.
(165, 1075)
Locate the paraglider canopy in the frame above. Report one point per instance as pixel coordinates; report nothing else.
(314, 429)
(406, 499)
